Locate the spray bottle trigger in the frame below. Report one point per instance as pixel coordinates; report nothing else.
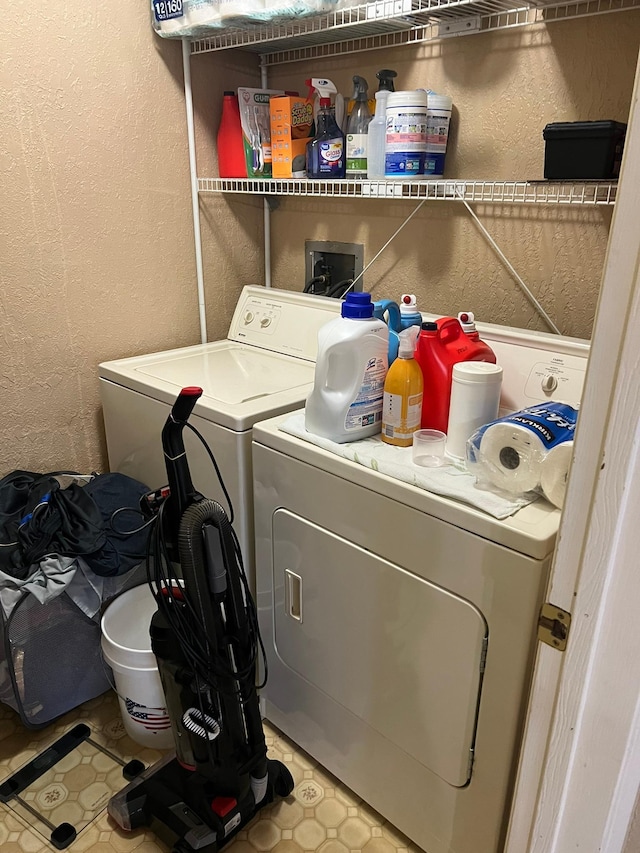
(408, 338)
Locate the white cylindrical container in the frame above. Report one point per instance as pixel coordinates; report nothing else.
(126, 646)
(346, 401)
(406, 134)
(438, 121)
(475, 401)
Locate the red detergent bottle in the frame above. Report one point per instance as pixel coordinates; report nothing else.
(440, 345)
(231, 159)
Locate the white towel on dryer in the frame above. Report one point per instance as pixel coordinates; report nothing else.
(449, 481)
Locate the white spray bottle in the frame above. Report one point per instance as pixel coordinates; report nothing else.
(357, 128)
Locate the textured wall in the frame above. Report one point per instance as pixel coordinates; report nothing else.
(231, 226)
(505, 87)
(96, 236)
(96, 241)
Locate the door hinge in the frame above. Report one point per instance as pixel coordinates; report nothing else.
(553, 626)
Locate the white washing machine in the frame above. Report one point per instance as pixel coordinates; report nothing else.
(265, 366)
(400, 626)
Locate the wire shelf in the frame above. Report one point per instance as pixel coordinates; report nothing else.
(491, 192)
(393, 23)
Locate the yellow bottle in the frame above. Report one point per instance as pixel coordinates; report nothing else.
(402, 402)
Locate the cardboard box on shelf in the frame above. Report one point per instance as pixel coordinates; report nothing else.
(291, 123)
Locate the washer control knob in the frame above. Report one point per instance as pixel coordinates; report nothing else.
(549, 382)
(248, 317)
(266, 321)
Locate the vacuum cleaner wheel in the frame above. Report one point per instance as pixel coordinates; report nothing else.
(282, 779)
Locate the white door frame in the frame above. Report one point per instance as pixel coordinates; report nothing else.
(579, 769)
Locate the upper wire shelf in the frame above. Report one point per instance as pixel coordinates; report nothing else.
(393, 23)
(494, 192)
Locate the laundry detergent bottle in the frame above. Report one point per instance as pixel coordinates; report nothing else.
(351, 367)
(409, 314)
(326, 153)
(402, 402)
(389, 311)
(231, 160)
(441, 345)
(467, 321)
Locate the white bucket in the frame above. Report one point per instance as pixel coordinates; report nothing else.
(126, 645)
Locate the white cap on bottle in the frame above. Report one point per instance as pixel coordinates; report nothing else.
(408, 304)
(467, 321)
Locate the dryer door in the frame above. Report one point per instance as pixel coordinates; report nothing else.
(402, 654)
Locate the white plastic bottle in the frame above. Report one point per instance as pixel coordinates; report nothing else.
(357, 132)
(377, 137)
(346, 401)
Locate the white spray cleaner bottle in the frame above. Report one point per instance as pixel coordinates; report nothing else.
(357, 130)
(346, 401)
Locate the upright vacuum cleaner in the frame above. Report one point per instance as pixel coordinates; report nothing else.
(205, 638)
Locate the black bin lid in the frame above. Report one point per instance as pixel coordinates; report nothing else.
(572, 129)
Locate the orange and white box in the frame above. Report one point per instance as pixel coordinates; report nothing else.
(291, 122)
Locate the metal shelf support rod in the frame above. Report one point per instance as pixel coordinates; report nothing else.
(509, 266)
(188, 99)
(266, 211)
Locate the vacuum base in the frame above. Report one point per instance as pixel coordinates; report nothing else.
(178, 805)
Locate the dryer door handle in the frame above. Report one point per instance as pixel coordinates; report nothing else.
(293, 594)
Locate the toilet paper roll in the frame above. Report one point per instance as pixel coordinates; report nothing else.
(510, 457)
(554, 472)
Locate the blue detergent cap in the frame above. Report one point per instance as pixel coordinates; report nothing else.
(357, 306)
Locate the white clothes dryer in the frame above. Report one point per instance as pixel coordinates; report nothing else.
(265, 366)
(400, 626)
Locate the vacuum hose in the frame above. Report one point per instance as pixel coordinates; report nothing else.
(213, 578)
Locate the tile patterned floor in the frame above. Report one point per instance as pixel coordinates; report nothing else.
(320, 815)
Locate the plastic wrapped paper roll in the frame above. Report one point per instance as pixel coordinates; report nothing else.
(555, 471)
(510, 458)
(508, 454)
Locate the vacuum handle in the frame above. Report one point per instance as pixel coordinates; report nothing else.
(175, 458)
(185, 403)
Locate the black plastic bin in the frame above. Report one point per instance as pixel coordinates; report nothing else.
(583, 150)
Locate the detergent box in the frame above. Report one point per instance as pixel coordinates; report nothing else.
(256, 130)
(291, 123)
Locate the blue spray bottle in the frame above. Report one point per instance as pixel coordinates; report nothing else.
(326, 154)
